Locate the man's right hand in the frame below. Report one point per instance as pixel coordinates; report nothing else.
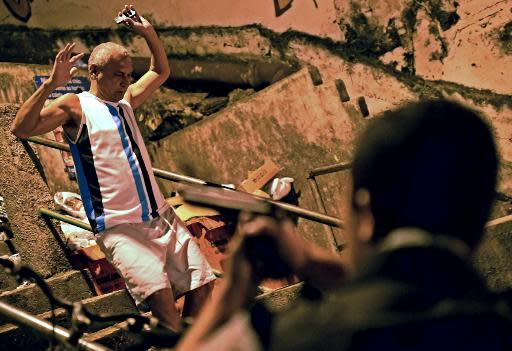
(290, 247)
(64, 66)
(321, 267)
(32, 117)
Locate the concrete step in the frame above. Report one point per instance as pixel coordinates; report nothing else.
(70, 285)
(492, 257)
(280, 299)
(116, 336)
(13, 337)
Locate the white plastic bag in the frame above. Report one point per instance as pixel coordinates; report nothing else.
(281, 187)
(71, 203)
(75, 237)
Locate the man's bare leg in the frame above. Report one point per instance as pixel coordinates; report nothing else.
(163, 308)
(195, 299)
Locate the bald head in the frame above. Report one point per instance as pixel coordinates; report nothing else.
(102, 53)
(110, 71)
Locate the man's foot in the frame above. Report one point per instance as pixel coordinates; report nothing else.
(15, 259)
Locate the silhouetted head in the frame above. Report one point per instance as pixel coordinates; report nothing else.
(430, 165)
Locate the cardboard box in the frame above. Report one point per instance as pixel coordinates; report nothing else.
(258, 178)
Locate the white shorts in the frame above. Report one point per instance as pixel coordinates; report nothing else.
(156, 255)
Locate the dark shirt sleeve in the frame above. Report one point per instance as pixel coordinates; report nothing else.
(261, 321)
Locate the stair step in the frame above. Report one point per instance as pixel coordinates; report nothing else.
(70, 285)
(20, 338)
(280, 299)
(115, 336)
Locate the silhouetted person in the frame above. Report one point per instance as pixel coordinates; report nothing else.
(424, 178)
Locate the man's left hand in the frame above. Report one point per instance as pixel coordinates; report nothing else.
(137, 23)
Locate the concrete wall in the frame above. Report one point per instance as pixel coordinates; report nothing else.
(492, 259)
(302, 15)
(467, 41)
(17, 81)
(302, 126)
(296, 124)
(25, 191)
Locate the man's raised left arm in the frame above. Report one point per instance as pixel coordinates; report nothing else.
(159, 69)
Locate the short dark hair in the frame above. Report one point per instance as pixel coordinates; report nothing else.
(430, 165)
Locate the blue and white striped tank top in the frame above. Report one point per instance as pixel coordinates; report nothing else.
(114, 173)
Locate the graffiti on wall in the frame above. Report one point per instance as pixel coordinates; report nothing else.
(21, 9)
(281, 6)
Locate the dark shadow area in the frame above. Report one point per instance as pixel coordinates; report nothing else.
(35, 159)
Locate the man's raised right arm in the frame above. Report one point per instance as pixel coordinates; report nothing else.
(32, 118)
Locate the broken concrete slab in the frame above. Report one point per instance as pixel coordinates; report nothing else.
(299, 126)
(296, 124)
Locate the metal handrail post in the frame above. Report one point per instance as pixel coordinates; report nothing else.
(318, 196)
(329, 169)
(47, 329)
(65, 218)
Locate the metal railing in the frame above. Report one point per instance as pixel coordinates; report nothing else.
(315, 190)
(71, 220)
(330, 169)
(49, 330)
(65, 218)
(175, 177)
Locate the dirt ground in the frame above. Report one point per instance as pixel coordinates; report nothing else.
(25, 191)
